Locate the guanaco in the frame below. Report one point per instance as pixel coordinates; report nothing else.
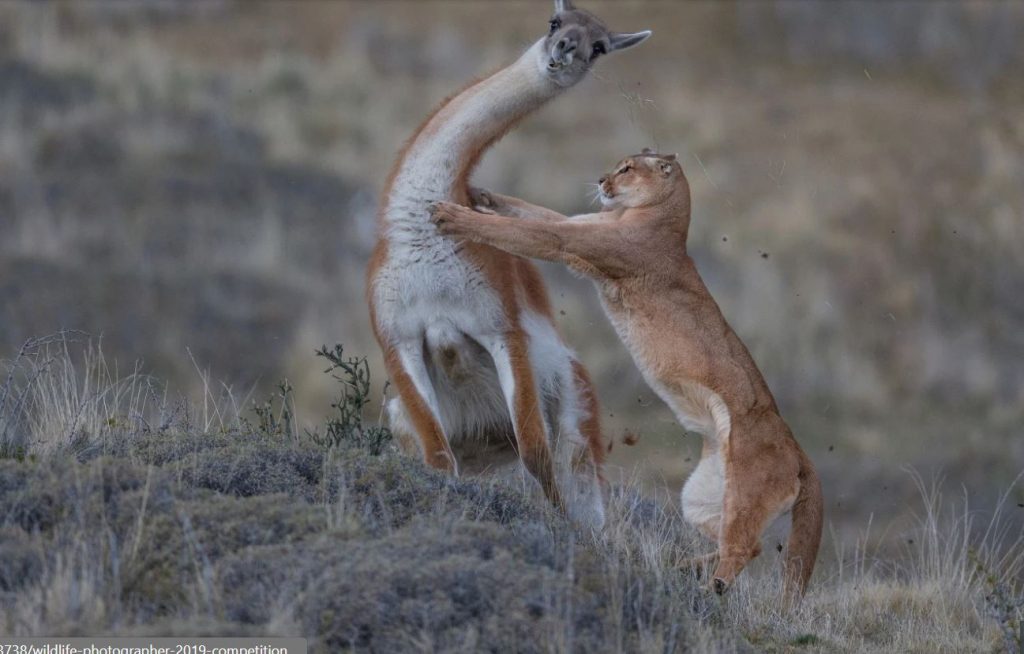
(751, 470)
(467, 332)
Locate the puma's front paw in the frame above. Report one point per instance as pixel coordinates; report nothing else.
(482, 200)
(448, 217)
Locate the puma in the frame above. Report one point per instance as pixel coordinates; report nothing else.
(751, 470)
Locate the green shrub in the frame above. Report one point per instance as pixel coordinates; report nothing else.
(345, 425)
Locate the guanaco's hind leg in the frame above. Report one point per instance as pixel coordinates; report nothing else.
(402, 428)
(408, 372)
(579, 447)
(590, 421)
(515, 374)
(758, 489)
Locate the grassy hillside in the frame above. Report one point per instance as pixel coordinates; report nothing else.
(125, 511)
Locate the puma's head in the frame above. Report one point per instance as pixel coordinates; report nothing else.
(642, 180)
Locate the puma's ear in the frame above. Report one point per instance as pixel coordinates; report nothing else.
(670, 157)
(563, 5)
(647, 151)
(623, 40)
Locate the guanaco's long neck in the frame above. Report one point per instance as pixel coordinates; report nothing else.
(444, 152)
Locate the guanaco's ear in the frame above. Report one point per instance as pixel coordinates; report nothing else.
(623, 40)
(563, 5)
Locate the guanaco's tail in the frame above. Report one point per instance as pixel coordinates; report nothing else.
(805, 533)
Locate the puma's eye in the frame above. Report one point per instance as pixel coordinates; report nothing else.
(598, 50)
(555, 24)
(625, 169)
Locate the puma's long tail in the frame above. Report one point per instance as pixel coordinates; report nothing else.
(805, 532)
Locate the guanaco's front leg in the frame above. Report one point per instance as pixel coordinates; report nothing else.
(593, 248)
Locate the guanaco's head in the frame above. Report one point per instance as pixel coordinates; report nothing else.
(642, 180)
(575, 39)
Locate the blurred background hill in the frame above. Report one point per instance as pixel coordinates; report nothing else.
(196, 182)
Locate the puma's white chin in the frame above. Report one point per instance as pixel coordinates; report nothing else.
(609, 201)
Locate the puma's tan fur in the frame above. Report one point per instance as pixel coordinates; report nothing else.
(751, 469)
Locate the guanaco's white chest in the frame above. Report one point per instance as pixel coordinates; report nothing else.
(426, 287)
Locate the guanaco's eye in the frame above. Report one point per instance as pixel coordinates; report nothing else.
(598, 50)
(555, 24)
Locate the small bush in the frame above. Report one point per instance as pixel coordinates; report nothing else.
(346, 425)
(275, 417)
(279, 422)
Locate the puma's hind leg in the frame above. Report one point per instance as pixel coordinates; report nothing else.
(701, 500)
(761, 484)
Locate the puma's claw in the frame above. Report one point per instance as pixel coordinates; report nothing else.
(439, 211)
(445, 215)
(481, 199)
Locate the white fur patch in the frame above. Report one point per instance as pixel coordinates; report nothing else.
(703, 494)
